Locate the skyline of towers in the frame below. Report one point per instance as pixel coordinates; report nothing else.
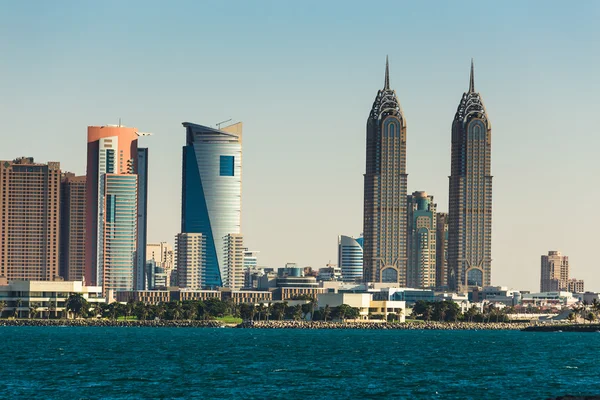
(211, 197)
(113, 210)
(422, 229)
(385, 182)
(29, 219)
(470, 195)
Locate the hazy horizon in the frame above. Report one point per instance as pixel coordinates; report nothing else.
(302, 78)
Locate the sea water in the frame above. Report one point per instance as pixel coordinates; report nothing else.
(212, 363)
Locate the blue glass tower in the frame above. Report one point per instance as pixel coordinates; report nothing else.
(212, 192)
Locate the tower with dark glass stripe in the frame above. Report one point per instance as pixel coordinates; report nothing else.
(384, 229)
(211, 195)
(470, 198)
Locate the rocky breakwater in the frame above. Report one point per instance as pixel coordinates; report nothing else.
(428, 325)
(111, 323)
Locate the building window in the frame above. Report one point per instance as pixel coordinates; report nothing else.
(227, 164)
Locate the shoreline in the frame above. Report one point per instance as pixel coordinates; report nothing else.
(431, 325)
(106, 323)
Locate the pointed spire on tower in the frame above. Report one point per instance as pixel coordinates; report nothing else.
(472, 79)
(387, 73)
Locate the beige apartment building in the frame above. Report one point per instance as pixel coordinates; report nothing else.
(555, 272)
(234, 261)
(72, 227)
(29, 219)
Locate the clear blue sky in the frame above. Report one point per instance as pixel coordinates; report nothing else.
(302, 77)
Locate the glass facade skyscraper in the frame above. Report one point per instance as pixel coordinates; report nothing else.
(421, 240)
(470, 199)
(117, 176)
(385, 190)
(350, 258)
(211, 193)
(120, 232)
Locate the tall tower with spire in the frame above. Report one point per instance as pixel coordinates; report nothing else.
(470, 199)
(384, 251)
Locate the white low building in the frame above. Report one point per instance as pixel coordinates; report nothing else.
(365, 304)
(47, 297)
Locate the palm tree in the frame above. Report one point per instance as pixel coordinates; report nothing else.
(326, 312)
(177, 311)
(76, 304)
(269, 310)
(260, 309)
(297, 312)
(97, 309)
(2, 306)
(33, 310)
(18, 305)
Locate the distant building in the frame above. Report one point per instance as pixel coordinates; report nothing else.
(163, 256)
(142, 217)
(470, 197)
(496, 294)
(330, 273)
(385, 180)
(554, 272)
(72, 227)
(30, 219)
(350, 258)
(190, 257)
(575, 286)
(421, 228)
(250, 266)
(441, 250)
(234, 261)
(211, 195)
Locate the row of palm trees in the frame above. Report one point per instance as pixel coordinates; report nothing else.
(451, 312)
(589, 312)
(280, 311)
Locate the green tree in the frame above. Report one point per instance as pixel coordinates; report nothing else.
(2, 307)
(215, 307)
(279, 310)
(326, 312)
(352, 313)
(76, 304)
(247, 311)
(342, 310)
(297, 312)
(141, 311)
(591, 317)
(571, 316)
(97, 309)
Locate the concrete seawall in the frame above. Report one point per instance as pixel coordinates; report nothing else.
(383, 325)
(110, 323)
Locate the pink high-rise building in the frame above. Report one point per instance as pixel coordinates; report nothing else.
(112, 207)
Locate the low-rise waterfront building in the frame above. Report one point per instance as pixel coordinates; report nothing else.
(47, 297)
(559, 298)
(248, 296)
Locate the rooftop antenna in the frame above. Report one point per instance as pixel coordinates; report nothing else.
(119, 122)
(221, 123)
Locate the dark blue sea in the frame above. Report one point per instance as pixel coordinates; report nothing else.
(206, 363)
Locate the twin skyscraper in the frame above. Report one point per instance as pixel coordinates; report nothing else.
(386, 235)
